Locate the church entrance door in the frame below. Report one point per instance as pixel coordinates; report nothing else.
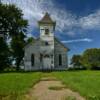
(47, 62)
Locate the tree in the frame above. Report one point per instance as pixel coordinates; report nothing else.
(91, 58)
(13, 26)
(11, 20)
(76, 61)
(4, 55)
(17, 45)
(30, 39)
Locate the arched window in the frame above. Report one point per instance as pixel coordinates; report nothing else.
(32, 60)
(60, 59)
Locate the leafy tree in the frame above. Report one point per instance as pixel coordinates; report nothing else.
(11, 20)
(4, 55)
(13, 26)
(91, 58)
(29, 40)
(17, 45)
(76, 61)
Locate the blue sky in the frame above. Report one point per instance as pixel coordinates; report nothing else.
(78, 21)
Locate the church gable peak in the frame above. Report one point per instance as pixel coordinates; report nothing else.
(47, 19)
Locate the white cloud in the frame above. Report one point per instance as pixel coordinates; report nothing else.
(71, 33)
(34, 10)
(91, 21)
(78, 40)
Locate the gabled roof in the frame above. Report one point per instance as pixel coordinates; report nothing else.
(47, 19)
(38, 39)
(61, 43)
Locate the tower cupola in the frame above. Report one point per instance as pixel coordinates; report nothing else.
(47, 26)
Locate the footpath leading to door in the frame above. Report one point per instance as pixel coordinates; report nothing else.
(51, 89)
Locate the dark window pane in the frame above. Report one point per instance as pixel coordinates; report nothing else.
(46, 31)
(41, 56)
(60, 59)
(46, 43)
(32, 59)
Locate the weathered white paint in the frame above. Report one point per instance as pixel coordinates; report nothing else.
(53, 49)
(47, 63)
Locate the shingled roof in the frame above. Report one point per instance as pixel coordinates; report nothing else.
(47, 19)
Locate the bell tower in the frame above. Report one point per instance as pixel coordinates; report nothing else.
(47, 27)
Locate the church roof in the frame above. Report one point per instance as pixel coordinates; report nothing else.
(47, 19)
(55, 38)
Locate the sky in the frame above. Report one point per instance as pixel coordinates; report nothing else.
(78, 21)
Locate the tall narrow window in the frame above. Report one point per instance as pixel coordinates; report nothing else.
(41, 56)
(60, 59)
(32, 59)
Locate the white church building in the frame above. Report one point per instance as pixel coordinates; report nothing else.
(47, 52)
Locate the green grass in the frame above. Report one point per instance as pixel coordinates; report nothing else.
(87, 83)
(13, 85)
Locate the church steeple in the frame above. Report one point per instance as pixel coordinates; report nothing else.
(46, 19)
(47, 26)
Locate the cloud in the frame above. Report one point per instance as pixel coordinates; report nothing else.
(66, 21)
(71, 33)
(34, 10)
(91, 21)
(78, 40)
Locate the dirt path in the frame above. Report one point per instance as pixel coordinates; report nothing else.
(51, 89)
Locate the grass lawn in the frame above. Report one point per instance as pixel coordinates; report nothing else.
(13, 85)
(87, 83)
